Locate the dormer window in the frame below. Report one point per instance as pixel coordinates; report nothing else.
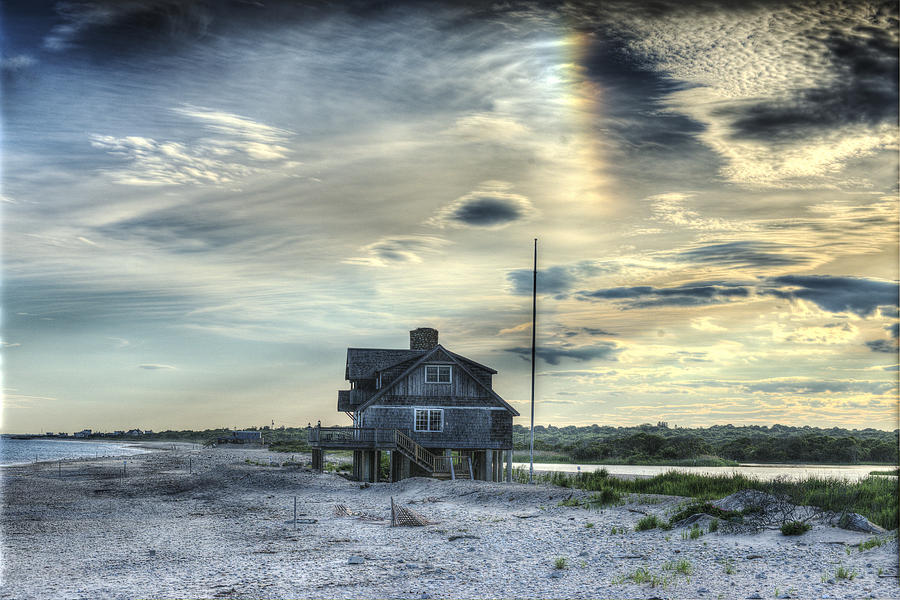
(437, 374)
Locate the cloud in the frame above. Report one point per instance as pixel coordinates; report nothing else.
(15, 63)
(240, 147)
(155, 367)
(747, 254)
(398, 250)
(80, 17)
(489, 127)
(696, 294)
(888, 346)
(669, 208)
(856, 295)
(553, 355)
(812, 386)
(786, 94)
(557, 280)
(491, 206)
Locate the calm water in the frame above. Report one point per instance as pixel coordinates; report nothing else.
(766, 472)
(14, 452)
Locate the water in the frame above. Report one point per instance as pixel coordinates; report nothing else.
(17, 452)
(764, 472)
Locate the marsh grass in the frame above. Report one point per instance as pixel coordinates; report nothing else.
(560, 563)
(874, 497)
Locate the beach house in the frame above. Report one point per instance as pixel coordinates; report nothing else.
(434, 411)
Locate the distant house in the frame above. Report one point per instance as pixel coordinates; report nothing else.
(118, 433)
(242, 437)
(435, 411)
(83, 433)
(135, 432)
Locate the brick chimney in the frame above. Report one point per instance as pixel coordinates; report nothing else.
(423, 338)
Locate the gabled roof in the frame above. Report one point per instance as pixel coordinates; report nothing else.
(456, 360)
(364, 363)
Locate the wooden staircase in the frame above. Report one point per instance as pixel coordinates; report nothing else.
(441, 467)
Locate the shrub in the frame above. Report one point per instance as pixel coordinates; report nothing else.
(560, 563)
(713, 525)
(696, 532)
(648, 522)
(589, 525)
(795, 528)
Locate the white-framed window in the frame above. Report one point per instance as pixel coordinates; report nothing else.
(429, 419)
(437, 374)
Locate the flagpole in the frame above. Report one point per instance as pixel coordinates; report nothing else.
(533, 337)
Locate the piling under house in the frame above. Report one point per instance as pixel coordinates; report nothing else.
(434, 411)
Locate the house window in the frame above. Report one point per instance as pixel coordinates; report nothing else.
(437, 374)
(429, 419)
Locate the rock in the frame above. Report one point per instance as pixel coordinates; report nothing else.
(355, 560)
(702, 590)
(555, 575)
(761, 576)
(831, 581)
(754, 597)
(856, 522)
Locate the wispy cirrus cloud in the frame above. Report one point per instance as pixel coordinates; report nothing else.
(232, 148)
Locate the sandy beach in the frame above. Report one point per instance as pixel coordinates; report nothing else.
(217, 523)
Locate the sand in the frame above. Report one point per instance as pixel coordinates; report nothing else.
(225, 530)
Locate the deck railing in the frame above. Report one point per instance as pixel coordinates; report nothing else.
(351, 435)
(414, 450)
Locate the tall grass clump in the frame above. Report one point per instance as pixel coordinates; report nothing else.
(648, 522)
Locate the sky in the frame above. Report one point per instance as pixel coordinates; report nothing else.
(205, 203)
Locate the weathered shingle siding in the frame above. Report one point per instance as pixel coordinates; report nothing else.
(463, 427)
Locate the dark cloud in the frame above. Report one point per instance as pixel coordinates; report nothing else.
(487, 211)
(155, 367)
(894, 330)
(817, 386)
(888, 346)
(555, 281)
(555, 354)
(836, 294)
(698, 294)
(864, 91)
(747, 254)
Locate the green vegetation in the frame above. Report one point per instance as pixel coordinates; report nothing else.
(795, 528)
(894, 473)
(648, 522)
(844, 573)
(589, 525)
(874, 542)
(682, 566)
(876, 498)
(707, 508)
(289, 446)
(643, 575)
(696, 532)
(713, 525)
(560, 563)
(720, 444)
(597, 500)
(729, 567)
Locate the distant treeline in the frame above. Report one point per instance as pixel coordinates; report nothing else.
(754, 443)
